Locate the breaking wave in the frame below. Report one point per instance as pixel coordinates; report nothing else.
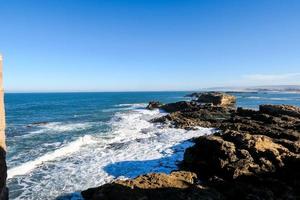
(61, 127)
(133, 146)
(64, 151)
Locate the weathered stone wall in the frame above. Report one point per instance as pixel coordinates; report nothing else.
(3, 169)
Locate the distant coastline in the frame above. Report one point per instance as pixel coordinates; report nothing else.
(268, 88)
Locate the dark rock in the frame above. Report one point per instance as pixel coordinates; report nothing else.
(180, 106)
(3, 173)
(250, 165)
(278, 110)
(190, 114)
(154, 105)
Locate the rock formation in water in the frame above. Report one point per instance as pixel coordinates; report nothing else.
(154, 105)
(255, 154)
(215, 98)
(3, 168)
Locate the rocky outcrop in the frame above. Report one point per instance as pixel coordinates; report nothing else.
(178, 185)
(180, 106)
(193, 116)
(210, 110)
(204, 100)
(254, 155)
(248, 164)
(279, 110)
(3, 168)
(216, 98)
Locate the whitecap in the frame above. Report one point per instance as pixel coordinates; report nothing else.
(269, 98)
(58, 127)
(125, 107)
(279, 99)
(134, 146)
(63, 151)
(132, 105)
(253, 97)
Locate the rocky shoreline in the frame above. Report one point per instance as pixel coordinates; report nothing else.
(253, 155)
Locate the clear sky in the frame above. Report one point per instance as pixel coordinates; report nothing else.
(94, 45)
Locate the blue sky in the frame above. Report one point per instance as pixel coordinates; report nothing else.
(89, 45)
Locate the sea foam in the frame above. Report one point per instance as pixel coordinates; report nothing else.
(133, 146)
(63, 151)
(61, 127)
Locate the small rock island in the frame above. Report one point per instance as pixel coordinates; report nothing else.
(254, 154)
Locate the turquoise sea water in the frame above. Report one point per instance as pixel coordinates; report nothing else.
(60, 143)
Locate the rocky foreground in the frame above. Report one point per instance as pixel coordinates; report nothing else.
(254, 154)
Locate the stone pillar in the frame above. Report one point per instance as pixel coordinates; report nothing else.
(3, 169)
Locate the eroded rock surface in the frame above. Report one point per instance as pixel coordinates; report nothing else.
(178, 185)
(216, 98)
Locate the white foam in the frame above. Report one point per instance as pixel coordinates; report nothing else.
(68, 149)
(254, 97)
(132, 105)
(269, 98)
(133, 147)
(124, 107)
(58, 127)
(280, 99)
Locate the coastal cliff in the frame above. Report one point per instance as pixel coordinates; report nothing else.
(254, 154)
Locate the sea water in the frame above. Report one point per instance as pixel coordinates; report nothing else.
(62, 143)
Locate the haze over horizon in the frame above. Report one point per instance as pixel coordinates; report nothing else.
(148, 45)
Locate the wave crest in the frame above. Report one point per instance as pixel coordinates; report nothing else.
(63, 151)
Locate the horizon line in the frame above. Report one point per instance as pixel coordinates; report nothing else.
(253, 87)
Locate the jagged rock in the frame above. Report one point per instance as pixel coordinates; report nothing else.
(180, 106)
(154, 105)
(245, 162)
(254, 148)
(178, 185)
(217, 98)
(278, 110)
(188, 115)
(235, 154)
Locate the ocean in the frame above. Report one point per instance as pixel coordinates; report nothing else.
(62, 143)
